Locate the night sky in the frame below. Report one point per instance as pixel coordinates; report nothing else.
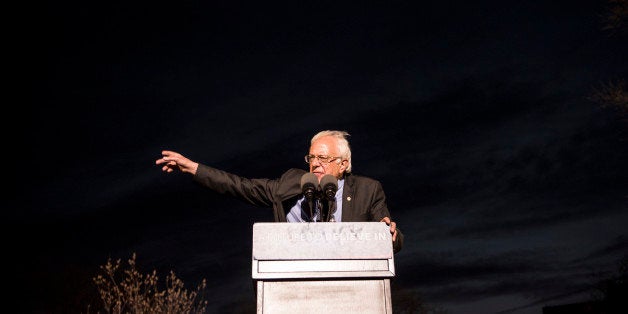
(509, 183)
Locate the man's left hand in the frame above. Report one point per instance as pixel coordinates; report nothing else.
(393, 227)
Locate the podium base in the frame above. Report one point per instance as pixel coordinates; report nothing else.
(324, 296)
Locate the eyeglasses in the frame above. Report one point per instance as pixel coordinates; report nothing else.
(323, 159)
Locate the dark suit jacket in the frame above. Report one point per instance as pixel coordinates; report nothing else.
(363, 198)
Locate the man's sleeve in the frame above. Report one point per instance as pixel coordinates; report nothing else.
(254, 191)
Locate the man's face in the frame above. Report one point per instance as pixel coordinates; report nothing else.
(327, 146)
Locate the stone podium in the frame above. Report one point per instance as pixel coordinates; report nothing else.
(328, 267)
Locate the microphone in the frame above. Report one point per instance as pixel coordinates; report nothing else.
(329, 186)
(309, 182)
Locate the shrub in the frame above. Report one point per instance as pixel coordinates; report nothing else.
(130, 291)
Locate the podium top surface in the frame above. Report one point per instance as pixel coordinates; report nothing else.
(322, 241)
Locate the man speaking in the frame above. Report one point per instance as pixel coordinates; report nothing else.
(329, 192)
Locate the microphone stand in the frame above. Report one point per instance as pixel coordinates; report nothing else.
(329, 186)
(310, 202)
(324, 206)
(331, 210)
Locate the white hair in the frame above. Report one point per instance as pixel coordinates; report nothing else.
(343, 144)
